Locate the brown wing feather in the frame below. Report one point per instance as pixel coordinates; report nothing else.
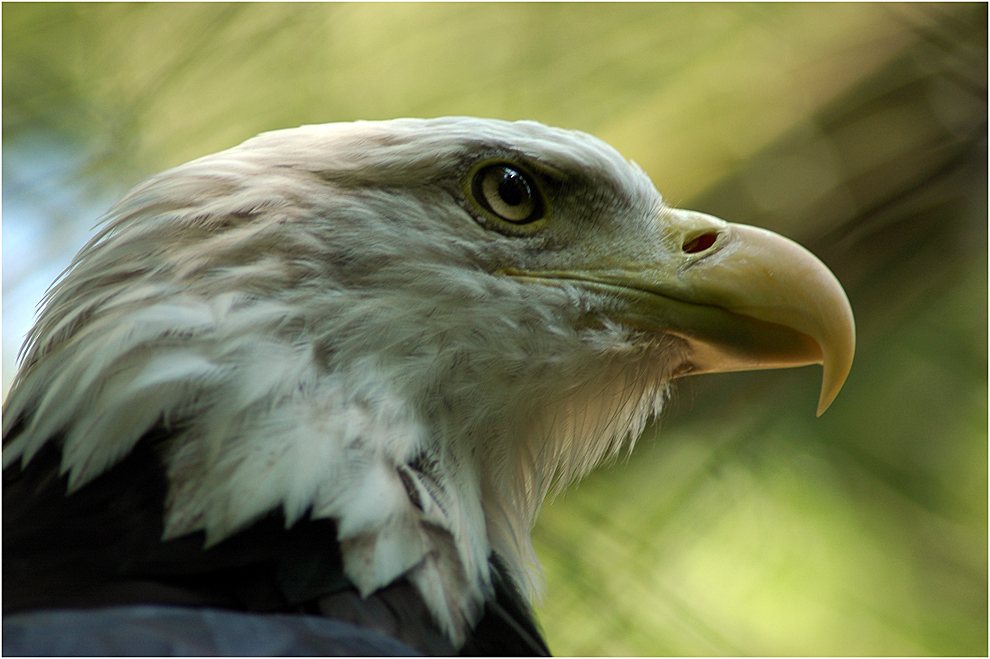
(101, 546)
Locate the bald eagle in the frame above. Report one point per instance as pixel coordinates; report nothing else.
(331, 374)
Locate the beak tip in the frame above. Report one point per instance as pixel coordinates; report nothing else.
(835, 370)
(828, 394)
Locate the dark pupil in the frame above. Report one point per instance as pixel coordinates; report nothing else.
(513, 188)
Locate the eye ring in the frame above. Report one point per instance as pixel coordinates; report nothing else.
(508, 193)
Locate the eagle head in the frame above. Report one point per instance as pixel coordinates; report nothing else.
(416, 328)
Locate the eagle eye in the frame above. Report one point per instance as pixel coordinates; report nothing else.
(508, 193)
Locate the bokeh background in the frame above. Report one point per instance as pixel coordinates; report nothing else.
(745, 525)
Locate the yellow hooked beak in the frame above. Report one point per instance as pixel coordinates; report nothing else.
(742, 298)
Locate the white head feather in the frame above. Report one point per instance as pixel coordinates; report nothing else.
(319, 318)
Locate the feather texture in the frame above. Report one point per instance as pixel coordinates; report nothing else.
(320, 322)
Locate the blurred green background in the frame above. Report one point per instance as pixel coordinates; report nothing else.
(745, 526)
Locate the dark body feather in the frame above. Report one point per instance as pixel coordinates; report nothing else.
(101, 547)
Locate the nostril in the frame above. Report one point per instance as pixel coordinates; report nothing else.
(699, 243)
